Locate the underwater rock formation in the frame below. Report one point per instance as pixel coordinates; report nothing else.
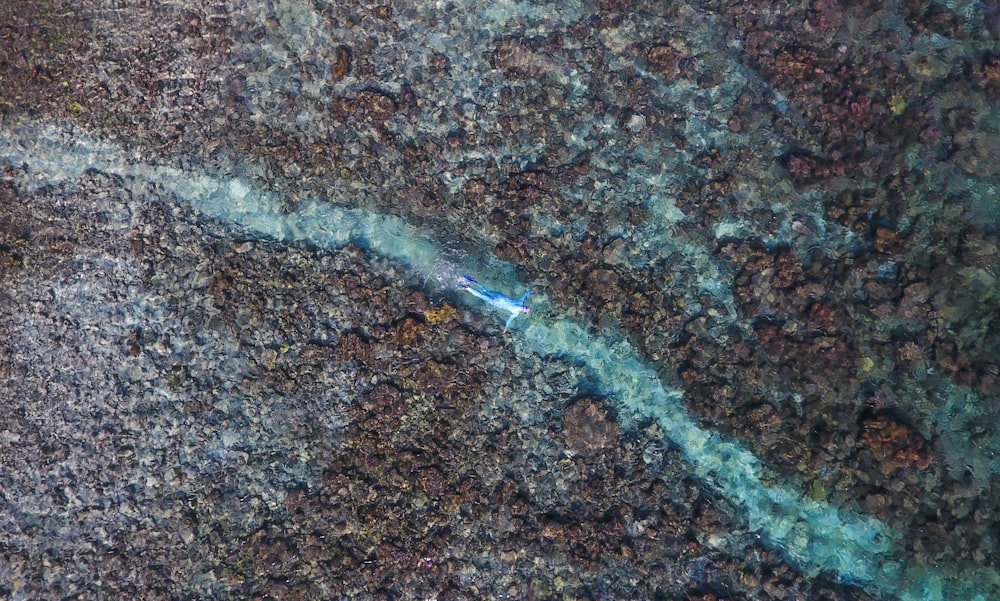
(762, 363)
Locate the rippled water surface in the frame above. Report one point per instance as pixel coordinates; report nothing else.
(240, 357)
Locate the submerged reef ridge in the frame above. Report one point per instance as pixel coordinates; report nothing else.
(761, 362)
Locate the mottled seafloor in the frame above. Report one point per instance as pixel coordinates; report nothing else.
(762, 361)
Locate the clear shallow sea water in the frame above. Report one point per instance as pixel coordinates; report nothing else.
(232, 247)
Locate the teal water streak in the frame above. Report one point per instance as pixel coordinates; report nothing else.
(813, 536)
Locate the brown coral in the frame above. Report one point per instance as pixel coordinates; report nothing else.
(893, 444)
(587, 427)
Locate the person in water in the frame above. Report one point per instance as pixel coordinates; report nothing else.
(497, 299)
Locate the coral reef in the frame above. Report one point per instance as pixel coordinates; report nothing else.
(787, 209)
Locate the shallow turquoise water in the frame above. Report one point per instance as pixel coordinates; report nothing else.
(638, 148)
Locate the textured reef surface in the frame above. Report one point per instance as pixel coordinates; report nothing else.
(761, 360)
